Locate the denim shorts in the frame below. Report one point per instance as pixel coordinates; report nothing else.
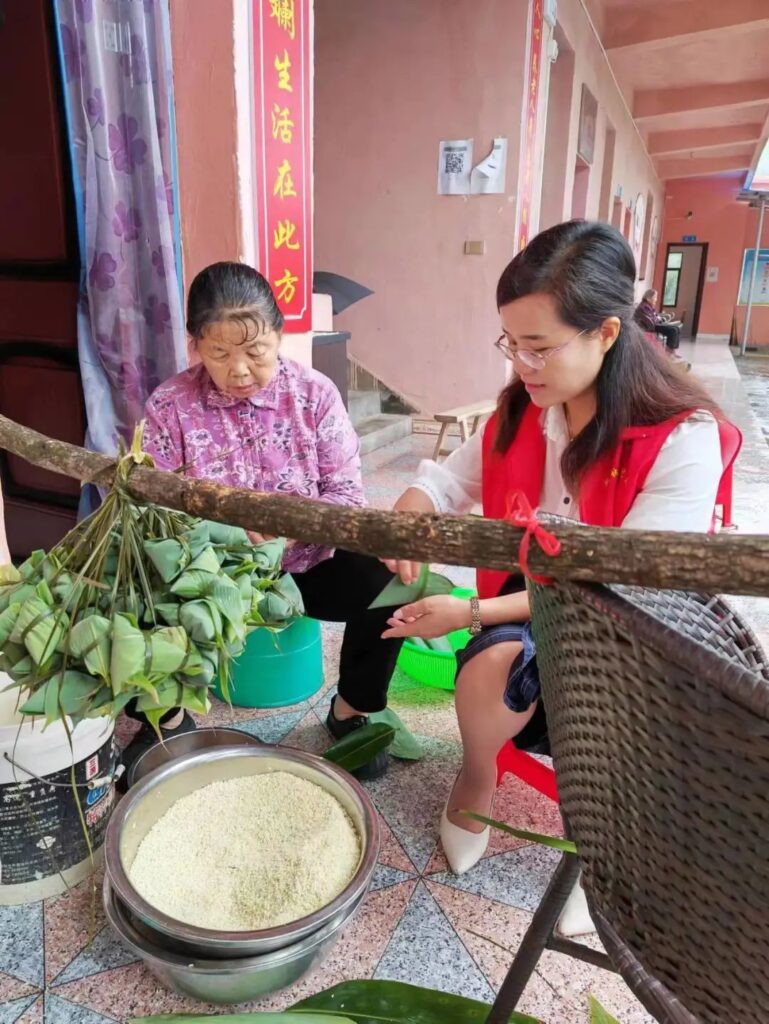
(523, 680)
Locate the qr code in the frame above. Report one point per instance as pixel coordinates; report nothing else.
(455, 163)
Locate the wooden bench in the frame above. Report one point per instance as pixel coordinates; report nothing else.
(468, 419)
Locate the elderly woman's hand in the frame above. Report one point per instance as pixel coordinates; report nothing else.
(263, 538)
(412, 500)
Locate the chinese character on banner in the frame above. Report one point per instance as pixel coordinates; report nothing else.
(529, 129)
(282, 31)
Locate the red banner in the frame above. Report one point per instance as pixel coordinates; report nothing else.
(529, 131)
(283, 134)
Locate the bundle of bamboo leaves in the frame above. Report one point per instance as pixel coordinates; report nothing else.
(137, 603)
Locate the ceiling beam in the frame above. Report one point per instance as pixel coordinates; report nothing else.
(661, 25)
(650, 104)
(692, 139)
(700, 166)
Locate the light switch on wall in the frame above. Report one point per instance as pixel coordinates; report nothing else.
(475, 248)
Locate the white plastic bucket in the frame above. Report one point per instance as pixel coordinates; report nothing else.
(43, 849)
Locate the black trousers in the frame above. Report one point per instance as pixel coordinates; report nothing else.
(340, 589)
(670, 333)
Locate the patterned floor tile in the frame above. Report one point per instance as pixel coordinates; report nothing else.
(518, 878)
(125, 993)
(272, 729)
(559, 990)
(12, 988)
(35, 1014)
(385, 877)
(391, 853)
(103, 954)
(61, 1011)
(411, 797)
(308, 734)
(358, 951)
(426, 950)
(21, 943)
(12, 1011)
(71, 921)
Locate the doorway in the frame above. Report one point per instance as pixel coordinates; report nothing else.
(682, 284)
(40, 384)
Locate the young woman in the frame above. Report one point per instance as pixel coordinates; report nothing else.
(596, 426)
(247, 417)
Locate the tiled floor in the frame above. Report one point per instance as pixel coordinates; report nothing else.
(59, 962)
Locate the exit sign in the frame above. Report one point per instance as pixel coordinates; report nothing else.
(689, 238)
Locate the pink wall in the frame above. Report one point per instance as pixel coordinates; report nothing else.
(632, 169)
(391, 80)
(729, 227)
(206, 124)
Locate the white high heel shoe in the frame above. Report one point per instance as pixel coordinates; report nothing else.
(463, 849)
(575, 917)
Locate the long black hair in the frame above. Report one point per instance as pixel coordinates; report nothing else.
(589, 270)
(232, 291)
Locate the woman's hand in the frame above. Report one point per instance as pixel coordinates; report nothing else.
(259, 538)
(412, 500)
(263, 538)
(408, 571)
(429, 618)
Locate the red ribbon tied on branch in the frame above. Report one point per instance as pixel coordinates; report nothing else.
(520, 513)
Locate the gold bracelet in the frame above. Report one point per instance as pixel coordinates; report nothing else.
(475, 617)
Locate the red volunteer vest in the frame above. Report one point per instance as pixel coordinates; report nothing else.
(608, 489)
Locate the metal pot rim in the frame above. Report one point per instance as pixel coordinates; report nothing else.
(193, 934)
(135, 773)
(147, 950)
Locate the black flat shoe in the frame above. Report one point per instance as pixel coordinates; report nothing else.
(341, 727)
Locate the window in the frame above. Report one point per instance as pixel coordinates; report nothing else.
(672, 278)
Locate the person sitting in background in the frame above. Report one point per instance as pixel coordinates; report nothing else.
(647, 317)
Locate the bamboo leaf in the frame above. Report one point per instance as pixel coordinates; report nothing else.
(405, 745)
(40, 629)
(206, 561)
(360, 746)
(265, 1017)
(9, 575)
(598, 1015)
(397, 593)
(167, 556)
(392, 1002)
(194, 583)
(89, 639)
(554, 842)
(129, 651)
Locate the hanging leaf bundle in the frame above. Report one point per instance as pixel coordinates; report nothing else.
(137, 603)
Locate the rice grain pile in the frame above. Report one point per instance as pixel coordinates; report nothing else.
(248, 853)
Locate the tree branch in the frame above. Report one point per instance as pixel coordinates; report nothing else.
(723, 563)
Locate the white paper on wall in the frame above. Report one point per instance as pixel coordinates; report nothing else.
(455, 161)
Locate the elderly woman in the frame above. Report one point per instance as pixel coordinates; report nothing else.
(247, 417)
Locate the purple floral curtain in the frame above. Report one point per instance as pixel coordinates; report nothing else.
(116, 62)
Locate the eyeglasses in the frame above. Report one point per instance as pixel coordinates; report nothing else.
(534, 360)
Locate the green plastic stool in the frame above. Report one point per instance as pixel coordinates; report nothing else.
(278, 669)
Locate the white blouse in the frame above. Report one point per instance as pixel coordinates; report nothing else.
(679, 492)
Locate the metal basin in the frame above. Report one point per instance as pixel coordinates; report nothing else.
(156, 793)
(212, 980)
(187, 743)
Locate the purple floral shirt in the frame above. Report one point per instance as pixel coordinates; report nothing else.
(293, 437)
